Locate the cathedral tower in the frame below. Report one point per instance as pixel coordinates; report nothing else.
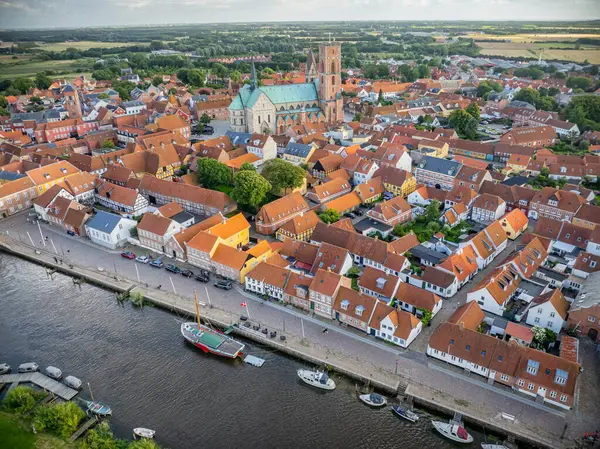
(330, 81)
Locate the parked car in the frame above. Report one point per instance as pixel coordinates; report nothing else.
(202, 278)
(157, 263)
(172, 269)
(128, 255)
(205, 273)
(225, 285)
(71, 233)
(208, 130)
(358, 213)
(187, 273)
(142, 259)
(350, 215)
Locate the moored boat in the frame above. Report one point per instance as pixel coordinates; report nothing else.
(405, 413)
(97, 408)
(73, 382)
(453, 432)
(5, 368)
(316, 379)
(373, 399)
(28, 367)
(210, 340)
(493, 446)
(53, 372)
(143, 432)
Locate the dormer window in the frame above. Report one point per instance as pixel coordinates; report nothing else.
(359, 310)
(533, 367)
(345, 303)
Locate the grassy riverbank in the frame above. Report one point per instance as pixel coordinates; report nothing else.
(15, 433)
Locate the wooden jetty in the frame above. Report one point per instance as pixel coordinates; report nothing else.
(39, 379)
(83, 428)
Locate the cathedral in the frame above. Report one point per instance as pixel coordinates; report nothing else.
(273, 109)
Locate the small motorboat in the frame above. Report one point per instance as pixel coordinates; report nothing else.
(5, 368)
(142, 432)
(73, 382)
(53, 372)
(453, 431)
(405, 413)
(373, 399)
(97, 408)
(30, 367)
(316, 379)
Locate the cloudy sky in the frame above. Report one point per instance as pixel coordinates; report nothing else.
(81, 13)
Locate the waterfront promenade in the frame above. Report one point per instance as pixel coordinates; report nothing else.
(358, 356)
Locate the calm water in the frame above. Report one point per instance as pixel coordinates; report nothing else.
(137, 362)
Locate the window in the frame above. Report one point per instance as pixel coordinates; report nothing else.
(521, 383)
(451, 342)
(530, 386)
(591, 319)
(537, 320)
(499, 358)
(563, 398)
(539, 311)
(552, 314)
(550, 324)
(468, 347)
(504, 377)
(553, 394)
(483, 352)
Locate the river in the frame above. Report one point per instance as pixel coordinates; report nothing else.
(137, 362)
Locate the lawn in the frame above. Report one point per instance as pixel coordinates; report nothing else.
(225, 189)
(531, 37)
(83, 45)
(29, 69)
(15, 434)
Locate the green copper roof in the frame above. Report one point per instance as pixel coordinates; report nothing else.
(288, 93)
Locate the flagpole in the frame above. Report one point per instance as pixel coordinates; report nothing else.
(247, 312)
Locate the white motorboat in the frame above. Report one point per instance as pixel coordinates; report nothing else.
(493, 446)
(53, 372)
(30, 367)
(4, 368)
(142, 432)
(405, 413)
(73, 382)
(316, 379)
(453, 432)
(373, 399)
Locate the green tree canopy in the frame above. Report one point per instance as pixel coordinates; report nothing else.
(196, 77)
(59, 419)
(283, 175)
(219, 70)
(103, 74)
(20, 399)
(108, 144)
(157, 80)
(42, 81)
(250, 188)
(474, 111)
(212, 173)
(22, 85)
(485, 87)
(579, 82)
(205, 119)
(585, 111)
(529, 95)
(247, 166)
(463, 123)
(329, 216)
(235, 76)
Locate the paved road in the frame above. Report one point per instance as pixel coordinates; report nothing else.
(81, 251)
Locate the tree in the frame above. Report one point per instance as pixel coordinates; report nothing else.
(100, 437)
(543, 336)
(103, 74)
(108, 144)
(463, 123)
(143, 444)
(329, 216)
(196, 77)
(235, 76)
(212, 173)
(20, 399)
(157, 80)
(42, 81)
(59, 419)
(528, 95)
(205, 119)
(579, 82)
(432, 211)
(485, 87)
(584, 110)
(247, 166)
(473, 111)
(22, 85)
(3, 101)
(553, 91)
(380, 98)
(157, 45)
(219, 70)
(357, 117)
(283, 175)
(250, 188)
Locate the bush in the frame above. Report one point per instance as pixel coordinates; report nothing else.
(61, 420)
(102, 437)
(21, 399)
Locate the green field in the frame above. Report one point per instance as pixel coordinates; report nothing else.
(532, 50)
(15, 435)
(29, 69)
(83, 45)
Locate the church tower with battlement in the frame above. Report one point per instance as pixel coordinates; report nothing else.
(330, 81)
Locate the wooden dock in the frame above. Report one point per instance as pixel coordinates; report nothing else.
(83, 428)
(39, 379)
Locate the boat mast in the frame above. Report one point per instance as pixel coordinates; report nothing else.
(197, 309)
(91, 394)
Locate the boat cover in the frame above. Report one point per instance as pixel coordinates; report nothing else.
(376, 398)
(324, 379)
(462, 433)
